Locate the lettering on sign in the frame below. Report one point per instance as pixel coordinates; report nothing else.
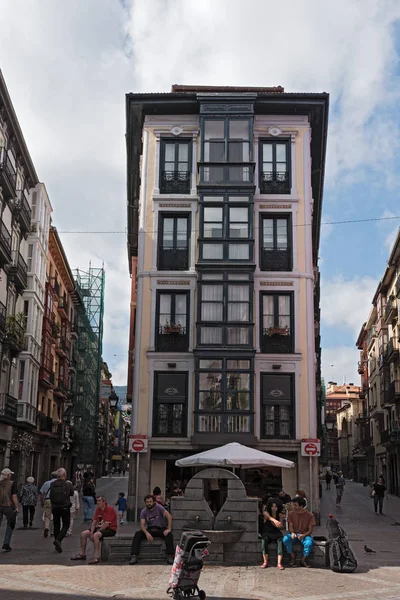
(283, 206)
(276, 283)
(172, 282)
(175, 205)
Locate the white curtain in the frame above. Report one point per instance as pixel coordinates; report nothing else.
(211, 305)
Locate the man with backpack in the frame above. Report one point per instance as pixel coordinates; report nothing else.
(61, 492)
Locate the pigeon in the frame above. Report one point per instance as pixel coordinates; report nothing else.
(369, 550)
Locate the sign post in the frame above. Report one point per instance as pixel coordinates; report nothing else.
(310, 447)
(138, 444)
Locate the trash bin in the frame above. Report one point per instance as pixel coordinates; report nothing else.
(320, 552)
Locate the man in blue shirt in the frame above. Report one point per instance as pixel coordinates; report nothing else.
(46, 503)
(152, 524)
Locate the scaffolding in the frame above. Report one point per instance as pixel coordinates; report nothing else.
(90, 290)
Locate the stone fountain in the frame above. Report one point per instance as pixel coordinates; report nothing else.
(233, 532)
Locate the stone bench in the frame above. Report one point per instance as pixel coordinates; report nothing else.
(117, 549)
(319, 557)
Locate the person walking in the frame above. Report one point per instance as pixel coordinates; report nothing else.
(328, 479)
(61, 492)
(8, 505)
(341, 482)
(46, 504)
(89, 498)
(78, 479)
(378, 493)
(75, 506)
(28, 498)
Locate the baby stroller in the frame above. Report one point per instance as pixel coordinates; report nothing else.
(188, 563)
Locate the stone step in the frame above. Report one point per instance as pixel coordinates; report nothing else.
(118, 550)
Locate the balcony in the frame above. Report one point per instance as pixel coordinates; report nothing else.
(61, 390)
(173, 259)
(63, 307)
(74, 330)
(276, 260)
(172, 339)
(394, 391)
(385, 437)
(386, 401)
(5, 245)
(362, 418)
(8, 409)
(19, 272)
(366, 441)
(392, 350)
(62, 347)
(274, 182)
(57, 429)
(390, 309)
(46, 377)
(383, 359)
(276, 340)
(398, 286)
(217, 428)
(44, 423)
(15, 334)
(394, 437)
(371, 336)
(372, 366)
(223, 173)
(26, 414)
(361, 367)
(3, 320)
(22, 210)
(55, 286)
(175, 182)
(8, 175)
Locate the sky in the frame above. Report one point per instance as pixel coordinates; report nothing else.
(68, 66)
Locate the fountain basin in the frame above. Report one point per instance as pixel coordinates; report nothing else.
(220, 536)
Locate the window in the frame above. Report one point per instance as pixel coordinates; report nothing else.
(21, 379)
(224, 392)
(170, 405)
(172, 322)
(277, 410)
(175, 166)
(275, 167)
(30, 255)
(225, 309)
(173, 242)
(226, 228)
(227, 144)
(275, 243)
(277, 323)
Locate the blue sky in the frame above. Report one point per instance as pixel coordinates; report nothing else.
(73, 63)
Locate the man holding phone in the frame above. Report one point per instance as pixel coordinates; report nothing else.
(104, 524)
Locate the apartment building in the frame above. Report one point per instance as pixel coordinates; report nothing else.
(224, 204)
(380, 358)
(17, 180)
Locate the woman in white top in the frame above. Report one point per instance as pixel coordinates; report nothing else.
(75, 506)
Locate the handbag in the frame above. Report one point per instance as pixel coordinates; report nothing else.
(372, 494)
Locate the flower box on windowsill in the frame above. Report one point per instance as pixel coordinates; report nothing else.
(172, 328)
(277, 331)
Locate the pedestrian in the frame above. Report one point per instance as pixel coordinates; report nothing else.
(335, 477)
(300, 525)
(158, 497)
(341, 482)
(122, 506)
(78, 479)
(61, 492)
(271, 532)
(328, 479)
(28, 498)
(89, 498)
(46, 504)
(104, 525)
(75, 506)
(378, 494)
(8, 505)
(123, 470)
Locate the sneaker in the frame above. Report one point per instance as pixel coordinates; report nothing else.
(133, 560)
(57, 546)
(46, 533)
(170, 560)
(6, 548)
(30, 524)
(121, 522)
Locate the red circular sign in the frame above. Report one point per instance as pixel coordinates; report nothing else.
(310, 449)
(137, 445)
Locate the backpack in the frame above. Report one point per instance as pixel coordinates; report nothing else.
(60, 494)
(341, 558)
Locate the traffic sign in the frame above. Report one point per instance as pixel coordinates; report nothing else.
(138, 444)
(310, 447)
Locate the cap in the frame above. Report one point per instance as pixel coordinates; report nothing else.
(7, 472)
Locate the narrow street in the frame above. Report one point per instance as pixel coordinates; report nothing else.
(48, 576)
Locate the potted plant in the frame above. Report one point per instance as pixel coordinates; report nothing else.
(170, 327)
(277, 330)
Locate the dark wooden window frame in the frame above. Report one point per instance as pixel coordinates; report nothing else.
(160, 235)
(156, 374)
(278, 402)
(177, 142)
(276, 295)
(275, 217)
(274, 142)
(181, 343)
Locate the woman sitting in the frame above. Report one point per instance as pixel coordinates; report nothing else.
(273, 523)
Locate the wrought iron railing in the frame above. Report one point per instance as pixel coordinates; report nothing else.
(394, 390)
(7, 166)
(173, 259)
(372, 334)
(5, 243)
(275, 260)
(391, 307)
(8, 408)
(19, 271)
(274, 182)
(224, 423)
(22, 208)
(3, 317)
(175, 182)
(173, 339)
(15, 331)
(45, 423)
(276, 343)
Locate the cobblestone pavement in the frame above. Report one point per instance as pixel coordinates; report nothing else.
(33, 571)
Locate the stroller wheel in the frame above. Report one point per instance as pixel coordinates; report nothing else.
(202, 595)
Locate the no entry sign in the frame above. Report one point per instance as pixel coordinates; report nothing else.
(311, 447)
(138, 444)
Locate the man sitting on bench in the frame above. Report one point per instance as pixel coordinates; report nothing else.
(152, 525)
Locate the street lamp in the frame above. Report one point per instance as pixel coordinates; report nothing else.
(330, 422)
(113, 400)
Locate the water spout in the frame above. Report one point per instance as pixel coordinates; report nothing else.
(197, 518)
(229, 519)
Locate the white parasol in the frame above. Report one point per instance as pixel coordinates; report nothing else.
(234, 455)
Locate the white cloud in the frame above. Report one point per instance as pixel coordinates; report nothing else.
(339, 364)
(389, 227)
(347, 303)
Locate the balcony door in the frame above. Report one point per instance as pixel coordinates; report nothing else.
(277, 323)
(276, 242)
(172, 322)
(175, 166)
(170, 405)
(173, 242)
(275, 167)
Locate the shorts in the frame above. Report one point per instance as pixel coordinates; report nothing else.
(107, 533)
